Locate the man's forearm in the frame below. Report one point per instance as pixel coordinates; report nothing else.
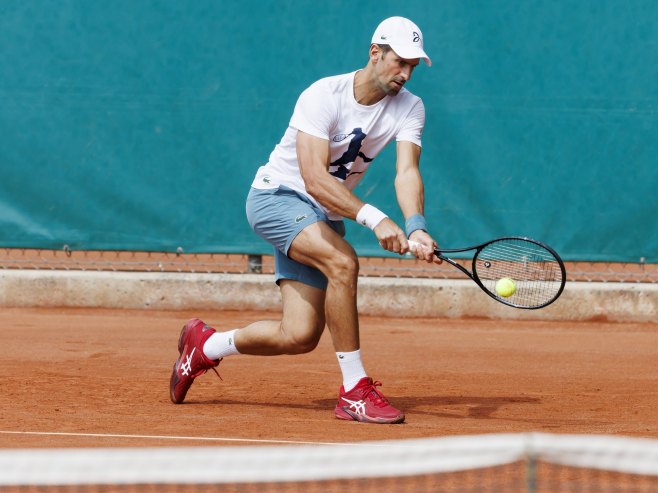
(410, 192)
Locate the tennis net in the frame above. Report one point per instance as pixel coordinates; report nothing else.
(532, 463)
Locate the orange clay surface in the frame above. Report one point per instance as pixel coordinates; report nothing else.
(99, 378)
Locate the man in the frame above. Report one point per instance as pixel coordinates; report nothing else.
(298, 201)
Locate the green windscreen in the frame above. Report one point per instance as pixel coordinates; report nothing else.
(139, 125)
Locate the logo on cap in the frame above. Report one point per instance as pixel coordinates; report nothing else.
(416, 37)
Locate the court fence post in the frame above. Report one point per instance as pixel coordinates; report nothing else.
(255, 264)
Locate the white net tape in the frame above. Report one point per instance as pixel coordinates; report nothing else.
(298, 463)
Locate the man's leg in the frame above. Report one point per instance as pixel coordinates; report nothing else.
(297, 332)
(201, 348)
(321, 247)
(304, 306)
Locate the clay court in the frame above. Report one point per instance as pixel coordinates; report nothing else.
(99, 378)
(133, 137)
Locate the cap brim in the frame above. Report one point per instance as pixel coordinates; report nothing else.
(410, 52)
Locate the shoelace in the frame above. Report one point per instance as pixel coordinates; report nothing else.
(379, 400)
(214, 368)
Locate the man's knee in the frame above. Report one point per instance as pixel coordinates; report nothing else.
(302, 341)
(344, 267)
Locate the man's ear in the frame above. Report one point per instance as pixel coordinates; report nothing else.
(375, 53)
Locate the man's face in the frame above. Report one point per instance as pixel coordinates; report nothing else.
(393, 72)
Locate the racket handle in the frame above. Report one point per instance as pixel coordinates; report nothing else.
(438, 258)
(415, 244)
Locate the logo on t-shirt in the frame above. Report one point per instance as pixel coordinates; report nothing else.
(341, 168)
(340, 137)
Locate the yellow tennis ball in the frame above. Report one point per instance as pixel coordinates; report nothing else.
(505, 287)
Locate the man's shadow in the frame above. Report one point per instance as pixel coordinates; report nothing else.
(476, 407)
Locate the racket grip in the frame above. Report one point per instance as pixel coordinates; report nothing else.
(415, 244)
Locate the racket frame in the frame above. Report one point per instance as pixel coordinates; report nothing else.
(473, 274)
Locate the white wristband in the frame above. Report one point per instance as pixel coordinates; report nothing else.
(370, 216)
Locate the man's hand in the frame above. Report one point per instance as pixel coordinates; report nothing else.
(426, 249)
(391, 237)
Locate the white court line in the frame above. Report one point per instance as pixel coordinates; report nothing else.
(167, 437)
(403, 444)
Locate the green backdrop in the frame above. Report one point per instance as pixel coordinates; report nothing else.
(139, 124)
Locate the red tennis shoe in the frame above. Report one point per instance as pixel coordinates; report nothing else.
(192, 362)
(366, 404)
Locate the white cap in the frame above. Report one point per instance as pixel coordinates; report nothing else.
(403, 36)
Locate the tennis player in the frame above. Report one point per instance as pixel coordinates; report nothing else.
(298, 202)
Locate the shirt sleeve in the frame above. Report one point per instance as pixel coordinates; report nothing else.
(314, 112)
(412, 127)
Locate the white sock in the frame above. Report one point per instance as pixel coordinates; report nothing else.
(352, 368)
(220, 345)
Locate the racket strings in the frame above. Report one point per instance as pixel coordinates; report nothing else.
(536, 272)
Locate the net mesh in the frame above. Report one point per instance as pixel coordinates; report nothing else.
(495, 479)
(532, 463)
(551, 478)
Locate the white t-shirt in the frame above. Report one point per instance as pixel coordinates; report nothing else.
(356, 133)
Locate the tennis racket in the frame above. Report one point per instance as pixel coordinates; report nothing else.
(528, 273)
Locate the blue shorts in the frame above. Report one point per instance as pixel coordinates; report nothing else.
(278, 215)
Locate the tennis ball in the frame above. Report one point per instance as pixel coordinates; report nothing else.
(505, 287)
